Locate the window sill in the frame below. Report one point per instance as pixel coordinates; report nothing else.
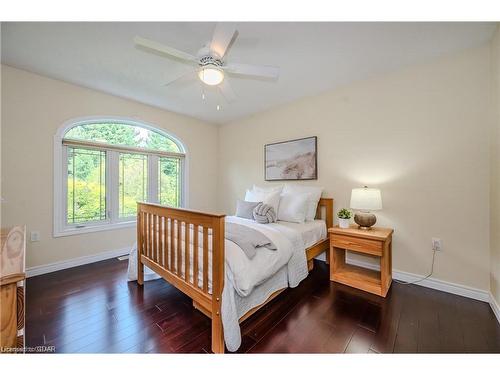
(71, 231)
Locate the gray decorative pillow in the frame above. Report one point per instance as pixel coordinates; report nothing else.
(244, 209)
(264, 214)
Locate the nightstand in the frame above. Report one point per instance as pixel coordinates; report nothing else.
(376, 242)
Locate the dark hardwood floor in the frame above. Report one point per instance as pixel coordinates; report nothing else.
(94, 309)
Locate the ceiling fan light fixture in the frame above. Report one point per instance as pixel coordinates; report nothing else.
(211, 75)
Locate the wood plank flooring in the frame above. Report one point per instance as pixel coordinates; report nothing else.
(93, 309)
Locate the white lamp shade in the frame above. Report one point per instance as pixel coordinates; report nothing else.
(366, 199)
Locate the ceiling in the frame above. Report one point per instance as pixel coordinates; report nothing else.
(313, 57)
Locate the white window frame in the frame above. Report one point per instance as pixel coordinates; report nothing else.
(61, 228)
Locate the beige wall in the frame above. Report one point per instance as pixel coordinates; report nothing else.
(420, 134)
(34, 107)
(495, 171)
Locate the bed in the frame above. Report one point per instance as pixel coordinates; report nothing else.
(187, 248)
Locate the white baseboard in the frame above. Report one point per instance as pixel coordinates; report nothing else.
(495, 307)
(64, 264)
(445, 286)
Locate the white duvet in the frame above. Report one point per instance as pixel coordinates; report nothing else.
(267, 272)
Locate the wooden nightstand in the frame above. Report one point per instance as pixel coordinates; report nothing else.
(376, 242)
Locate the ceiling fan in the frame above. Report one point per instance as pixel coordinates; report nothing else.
(210, 60)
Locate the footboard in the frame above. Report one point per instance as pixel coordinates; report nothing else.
(186, 248)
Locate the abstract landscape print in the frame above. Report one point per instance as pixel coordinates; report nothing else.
(291, 160)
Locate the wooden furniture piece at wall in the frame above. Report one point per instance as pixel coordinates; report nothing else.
(12, 287)
(375, 242)
(158, 230)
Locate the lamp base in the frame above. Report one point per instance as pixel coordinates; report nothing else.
(365, 220)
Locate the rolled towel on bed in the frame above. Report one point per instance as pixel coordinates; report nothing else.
(264, 214)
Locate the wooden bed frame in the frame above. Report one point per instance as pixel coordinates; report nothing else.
(156, 251)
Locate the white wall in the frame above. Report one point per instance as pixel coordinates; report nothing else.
(421, 135)
(495, 171)
(33, 107)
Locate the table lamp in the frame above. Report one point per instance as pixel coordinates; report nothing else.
(364, 200)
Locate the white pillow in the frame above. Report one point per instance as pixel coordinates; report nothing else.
(293, 207)
(268, 189)
(270, 198)
(314, 196)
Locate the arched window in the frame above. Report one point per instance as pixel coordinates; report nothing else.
(106, 166)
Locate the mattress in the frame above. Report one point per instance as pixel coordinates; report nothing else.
(311, 231)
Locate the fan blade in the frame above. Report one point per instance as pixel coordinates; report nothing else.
(227, 91)
(224, 34)
(253, 70)
(151, 45)
(186, 77)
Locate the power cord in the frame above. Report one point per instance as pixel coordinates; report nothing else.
(423, 278)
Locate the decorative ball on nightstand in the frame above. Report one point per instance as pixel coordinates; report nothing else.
(364, 200)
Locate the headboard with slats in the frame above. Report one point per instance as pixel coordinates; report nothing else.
(325, 211)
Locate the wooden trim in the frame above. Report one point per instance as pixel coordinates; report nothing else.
(327, 204)
(20, 307)
(12, 287)
(205, 260)
(172, 245)
(187, 253)
(8, 315)
(153, 232)
(140, 246)
(163, 236)
(202, 309)
(316, 249)
(374, 233)
(179, 213)
(358, 244)
(178, 247)
(196, 233)
(218, 275)
(177, 282)
(252, 311)
(14, 278)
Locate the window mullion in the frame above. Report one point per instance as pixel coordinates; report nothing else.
(182, 182)
(112, 185)
(153, 195)
(64, 216)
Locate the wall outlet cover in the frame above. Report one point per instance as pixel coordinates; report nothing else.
(35, 236)
(437, 244)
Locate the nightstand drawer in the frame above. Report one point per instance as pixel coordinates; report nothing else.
(361, 245)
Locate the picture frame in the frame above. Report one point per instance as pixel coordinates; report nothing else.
(292, 160)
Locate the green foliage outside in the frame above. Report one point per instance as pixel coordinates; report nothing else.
(133, 183)
(169, 181)
(86, 186)
(86, 171)
(123, 135)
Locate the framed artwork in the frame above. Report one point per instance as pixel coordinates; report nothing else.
(291, 160)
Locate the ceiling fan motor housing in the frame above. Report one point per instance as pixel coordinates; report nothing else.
(210, 60)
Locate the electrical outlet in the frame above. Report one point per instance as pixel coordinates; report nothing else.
(35, 236)
(437, 244)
